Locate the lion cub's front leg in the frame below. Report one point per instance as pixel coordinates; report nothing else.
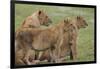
(73, 43)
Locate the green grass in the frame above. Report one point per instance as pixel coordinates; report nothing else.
(85, 43)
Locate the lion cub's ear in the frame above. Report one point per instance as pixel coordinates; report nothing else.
(66, 21)
(39, 12)
(79, 17)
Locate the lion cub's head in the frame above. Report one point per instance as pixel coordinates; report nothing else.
(66, 23)
(81, 22)
(37, 19)
(43, 18)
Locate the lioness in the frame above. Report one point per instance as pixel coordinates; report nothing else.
(45, 39)
(69, 44)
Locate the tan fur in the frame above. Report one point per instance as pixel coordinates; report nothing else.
(45, 38)
(33, 21)
(69, 45)
(70, 37)
(23, 52)
(51, 37)
(61, 38)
